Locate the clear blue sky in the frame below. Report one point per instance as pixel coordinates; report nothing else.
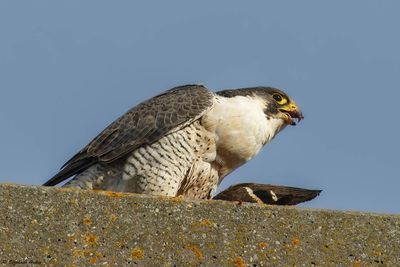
(69, 68)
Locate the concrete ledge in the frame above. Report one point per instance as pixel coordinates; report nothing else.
(53, 226)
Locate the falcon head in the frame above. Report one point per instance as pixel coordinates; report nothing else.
(280, 106)
(277, 104)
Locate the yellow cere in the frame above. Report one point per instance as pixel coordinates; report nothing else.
(289, 107)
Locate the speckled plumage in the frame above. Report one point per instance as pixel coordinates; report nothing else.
(171, 166)
(181, 142)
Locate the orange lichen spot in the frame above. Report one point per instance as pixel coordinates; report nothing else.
(137, 253)
(87, 221)
(203, 223)
(111, 193)
(93, 260)
(296, 242)
(239, 262)
(71, 238)
(377, 253)
(91, 240)
(73, 201)
(262, 245)
(359, 263)
(114, 194)
(113, 217)
(120, 244)
(68, 189)
(196, 250)
(178, 199)
(206, 222)
(80, 253)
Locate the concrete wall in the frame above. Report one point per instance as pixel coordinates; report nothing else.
(52, 226)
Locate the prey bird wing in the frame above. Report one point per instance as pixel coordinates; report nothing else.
(267, 194)
(144, 124)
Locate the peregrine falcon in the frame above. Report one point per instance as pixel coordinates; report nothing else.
(182, 142)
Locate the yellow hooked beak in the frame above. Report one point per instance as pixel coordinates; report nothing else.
(289, 112)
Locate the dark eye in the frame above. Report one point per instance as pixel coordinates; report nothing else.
(277, 97)
(281, 100)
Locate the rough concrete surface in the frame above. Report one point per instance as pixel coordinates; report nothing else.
(67, 227)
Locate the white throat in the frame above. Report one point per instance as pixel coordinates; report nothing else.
(241, 128)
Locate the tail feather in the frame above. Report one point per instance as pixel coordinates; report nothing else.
(72, 168)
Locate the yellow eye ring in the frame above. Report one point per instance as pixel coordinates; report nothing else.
(281, 100)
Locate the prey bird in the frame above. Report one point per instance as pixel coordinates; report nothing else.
(182, 142)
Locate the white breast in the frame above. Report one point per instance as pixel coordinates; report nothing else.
(241, 129)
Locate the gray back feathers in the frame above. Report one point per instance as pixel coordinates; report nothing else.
(144, 124)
